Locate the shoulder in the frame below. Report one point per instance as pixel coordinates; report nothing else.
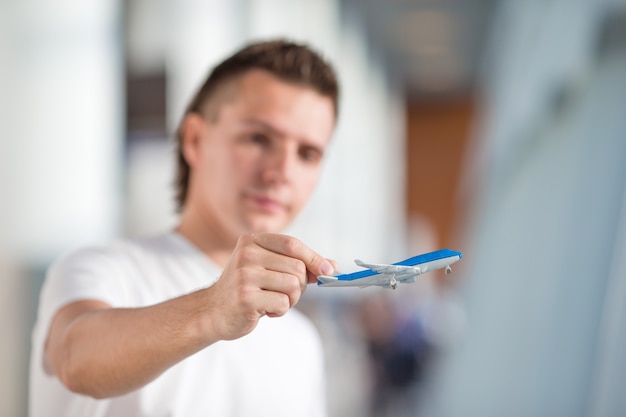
(84, 272)
(115, 252)
(89, 260)
(100, 270)
(132, 272)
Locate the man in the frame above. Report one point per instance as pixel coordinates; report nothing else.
(174, 325)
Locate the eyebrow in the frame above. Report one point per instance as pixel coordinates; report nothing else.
(264, 125)
(268, 127)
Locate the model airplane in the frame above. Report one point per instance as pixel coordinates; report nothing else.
(388, 276)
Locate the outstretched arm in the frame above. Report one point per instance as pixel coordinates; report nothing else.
(102, 351)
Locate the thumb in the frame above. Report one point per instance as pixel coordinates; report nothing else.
(319, 266)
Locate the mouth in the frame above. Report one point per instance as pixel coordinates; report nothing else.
(265, 204)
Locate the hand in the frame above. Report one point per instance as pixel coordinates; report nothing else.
(265, 275)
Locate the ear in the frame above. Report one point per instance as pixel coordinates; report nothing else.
(191, 131)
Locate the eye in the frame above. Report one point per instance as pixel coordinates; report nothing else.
(310, 154)
(258, 138)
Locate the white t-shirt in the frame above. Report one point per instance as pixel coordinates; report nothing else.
(276, 370)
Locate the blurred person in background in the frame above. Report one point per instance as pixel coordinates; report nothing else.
(174, 324)
(399, 350)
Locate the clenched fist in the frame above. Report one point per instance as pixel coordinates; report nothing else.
(265, 275)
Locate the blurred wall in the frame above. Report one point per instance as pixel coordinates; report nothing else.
(545, 241)
(61, 109)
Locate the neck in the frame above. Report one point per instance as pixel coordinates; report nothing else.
(209, 238)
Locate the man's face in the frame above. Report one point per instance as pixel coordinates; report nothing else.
(258, 161)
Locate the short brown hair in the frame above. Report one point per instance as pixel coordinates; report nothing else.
(288, 61)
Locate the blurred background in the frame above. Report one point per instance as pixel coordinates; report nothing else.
(492, 127)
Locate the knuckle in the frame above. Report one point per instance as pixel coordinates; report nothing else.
(246, 276)
(300, 268)
(316, 259)
(246, 238)
(283, 306)
(291, 245)
(293, 290)
(245, 297)
(293, 285)
(247, 254)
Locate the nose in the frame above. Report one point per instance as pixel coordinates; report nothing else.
(278, 165)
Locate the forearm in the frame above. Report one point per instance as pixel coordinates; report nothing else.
(106, 352)
(109, 352)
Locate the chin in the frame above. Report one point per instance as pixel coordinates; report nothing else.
(267, 225)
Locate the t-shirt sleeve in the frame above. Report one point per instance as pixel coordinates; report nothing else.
(87, 274)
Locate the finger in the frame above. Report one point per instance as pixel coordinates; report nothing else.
(283, 283)
(272, 303)
(334, 265)
(292, 247)
(312, 278)
(276, 262)
(284, 264)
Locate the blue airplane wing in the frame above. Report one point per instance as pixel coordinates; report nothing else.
(428, 257)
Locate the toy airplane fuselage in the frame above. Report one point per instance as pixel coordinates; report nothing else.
(389, 275)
